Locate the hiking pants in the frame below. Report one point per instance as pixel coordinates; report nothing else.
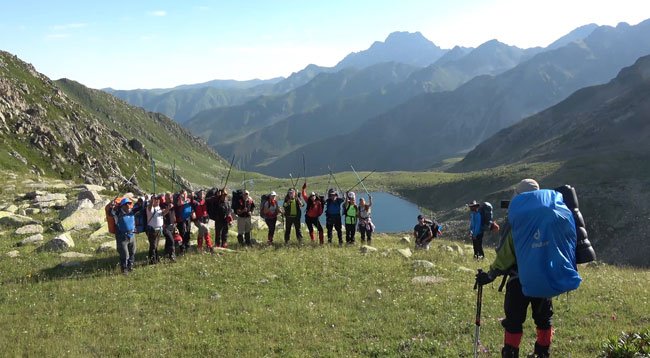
(126, 250)
(350, 231)
(270, 222)
(477, 243)
(515, 306)
(220, 233)
(290, 221)
(365, 231)
(168, 232)
(311, 222)
(334, 221)
(184, 231)
(153, 235)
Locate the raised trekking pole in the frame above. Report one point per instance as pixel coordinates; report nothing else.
(360, 181)
(153, 174)
(293, 185)
(174, 176)
(479, 303)
(228, 176)
(304, 168)
(335, 182)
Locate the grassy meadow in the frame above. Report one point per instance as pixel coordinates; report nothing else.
(289, 301)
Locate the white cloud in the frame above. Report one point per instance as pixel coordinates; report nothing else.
(159, 13)
(56, 36)
(69, 26)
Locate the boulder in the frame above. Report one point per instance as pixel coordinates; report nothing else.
(13, 253)
(91, 187)
(11, 208)
(423, 264)
(80, 215)
(366, 249)
(457, 249)
(74, 255)
(93, 196)
(32, 211)
(101, 233)
(405, 252)
(30, 229)
(33, 194)
(427, 280)
(109, 246)
(74, 206)
(32, 240)
(8, 219)
(405, 240)
(50, 200)
(59, 243)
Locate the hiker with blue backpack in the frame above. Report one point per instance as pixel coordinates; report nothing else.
(537, 252)
(476, 229)
(333, 215)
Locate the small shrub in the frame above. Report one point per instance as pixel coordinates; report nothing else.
(632, 345)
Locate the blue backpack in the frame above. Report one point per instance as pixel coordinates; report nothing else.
(544, 236)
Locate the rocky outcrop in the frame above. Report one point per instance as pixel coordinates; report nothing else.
(79, 215)
(60, 243)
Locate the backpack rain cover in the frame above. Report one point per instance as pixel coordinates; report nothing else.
(544, 236)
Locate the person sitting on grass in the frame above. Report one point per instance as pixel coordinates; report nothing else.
(422, 234)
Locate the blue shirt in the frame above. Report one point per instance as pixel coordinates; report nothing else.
(333, 207)
(125, 223)
(475, 223)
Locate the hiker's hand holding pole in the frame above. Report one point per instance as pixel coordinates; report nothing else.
(483, 278)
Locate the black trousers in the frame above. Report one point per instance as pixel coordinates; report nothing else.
(184, 231)
(168, 232)
(334, 222)
(220, 233)
(311, 222)
(290, 221)
(271, 222)
(516, 304)
(477, 243)
(350, 231)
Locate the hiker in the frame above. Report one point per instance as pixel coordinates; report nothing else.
(155, 225)
(125, 234)
(244, 223)
(422, 233)
(200, 215)
(313, 213)
(333, 215)
(291, 209)
(183, 207)
(169, 226)
(350, 211)
(366, 227)
(476, 229)
(270, 210)
(140, 215)
(222, 219)
(515, 302)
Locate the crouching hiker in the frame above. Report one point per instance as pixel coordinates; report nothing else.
(125, 234)
(537, 251)
(313, 213)
(422, 233)
(366, 227)
(155, 224)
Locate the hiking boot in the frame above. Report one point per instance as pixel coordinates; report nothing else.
(540, 351)
(225, 245)
(509, 352)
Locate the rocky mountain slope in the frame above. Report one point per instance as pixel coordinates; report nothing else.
(66, 130)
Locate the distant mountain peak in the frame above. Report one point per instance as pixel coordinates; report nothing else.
(405, 36)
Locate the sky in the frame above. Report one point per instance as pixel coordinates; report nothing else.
(128, 44)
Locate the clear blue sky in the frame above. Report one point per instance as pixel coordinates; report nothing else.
(148, 44)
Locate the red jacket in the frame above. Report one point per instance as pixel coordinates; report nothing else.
(315, 208)
(200, 208)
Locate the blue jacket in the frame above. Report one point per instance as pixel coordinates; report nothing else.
(475, 223)
(333, 207)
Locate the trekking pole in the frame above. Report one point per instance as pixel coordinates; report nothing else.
(304, 168)
(174, 176)
(361, 180)
(293, 186)
(479, 303)
(153, 174)
(228, 176)
(335, 182)
(363, 185)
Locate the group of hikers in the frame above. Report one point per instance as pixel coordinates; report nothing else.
(170, 216)
(541, 241)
